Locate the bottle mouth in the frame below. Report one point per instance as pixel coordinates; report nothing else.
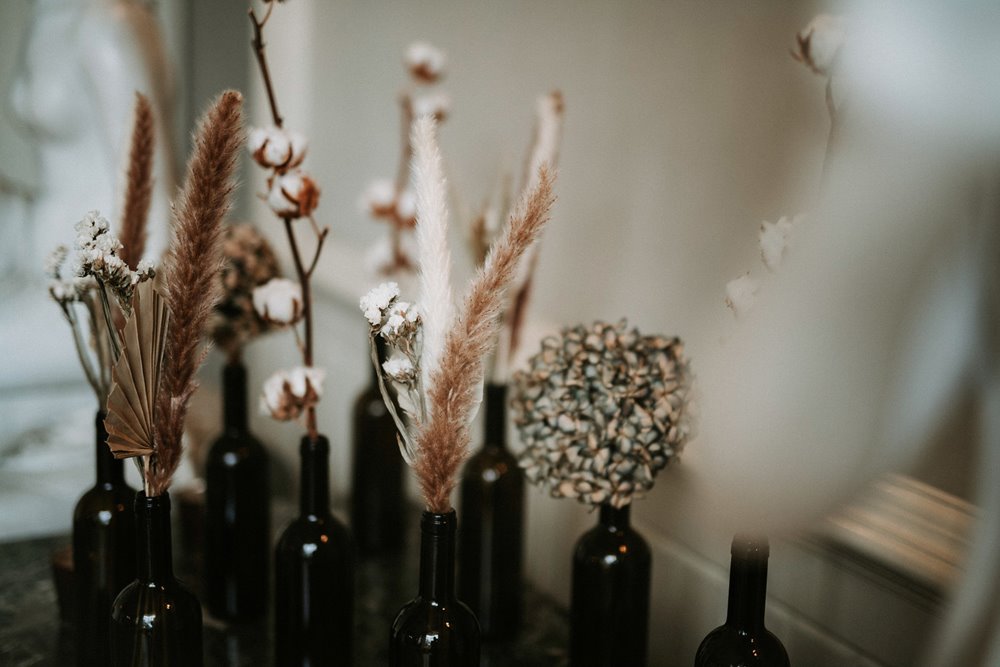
(144, 502)
(750, 546)
(437, 523)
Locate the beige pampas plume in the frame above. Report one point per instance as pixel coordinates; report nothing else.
(191, 273)
(455, 387)
(139, 184)
(432, 245)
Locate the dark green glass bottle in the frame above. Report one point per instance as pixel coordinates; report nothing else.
(314, 574)
(609, 609)
(435, 629)
(237, 511)
(492, 534)
(744, 641)
(155, 620)
(103, 551)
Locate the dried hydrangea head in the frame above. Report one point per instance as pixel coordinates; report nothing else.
(425, 62)
(602, 409)
(288, 394)
(249, 262)
(293, 195)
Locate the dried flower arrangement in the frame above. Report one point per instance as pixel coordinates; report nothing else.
(161, 344)
(391, 200)
(249, 262)
(818, 47)
(436, 363)
(292, 195)
(601, 410)
(486, 226)
(105, 271)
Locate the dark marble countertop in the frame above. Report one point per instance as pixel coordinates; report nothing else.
(31, 634)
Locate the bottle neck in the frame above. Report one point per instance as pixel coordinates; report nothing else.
(110, 471)
(748, 585)
(437, 556)
(314, 499)
(496, 416)
(155, 553)
(615, 519)
(234, 397)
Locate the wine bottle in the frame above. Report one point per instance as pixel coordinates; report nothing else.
(609, 601)
(237, 511)
(377, 505)
(744, 641)
(491, 538)
(104, 540)
(314, 574)
(155, 620)
(435, 629)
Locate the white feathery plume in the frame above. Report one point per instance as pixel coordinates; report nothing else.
(548, 130)
(432, 245)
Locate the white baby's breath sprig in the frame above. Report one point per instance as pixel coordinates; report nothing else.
(375, 304)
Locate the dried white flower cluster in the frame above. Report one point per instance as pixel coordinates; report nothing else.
(278, 301)
(400, 326)
(601, 410)
(288, 394)
(292, 193)
(740, 294)
(96, 257)
(65, 289)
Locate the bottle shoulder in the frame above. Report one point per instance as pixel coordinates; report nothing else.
(232, 448)
(729, 647)
(425, 616)
(114, 498)
(500, 461)
(600, 543)
(315, 534)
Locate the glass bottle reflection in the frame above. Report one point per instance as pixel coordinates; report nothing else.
(435, 629)
(314, 574)
(377, 503)
(237, 511)
(491, 537)
(609, 610)
(155, 620)
(104, 542)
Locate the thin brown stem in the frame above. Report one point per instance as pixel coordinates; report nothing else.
(258, 49)
(307, 348)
